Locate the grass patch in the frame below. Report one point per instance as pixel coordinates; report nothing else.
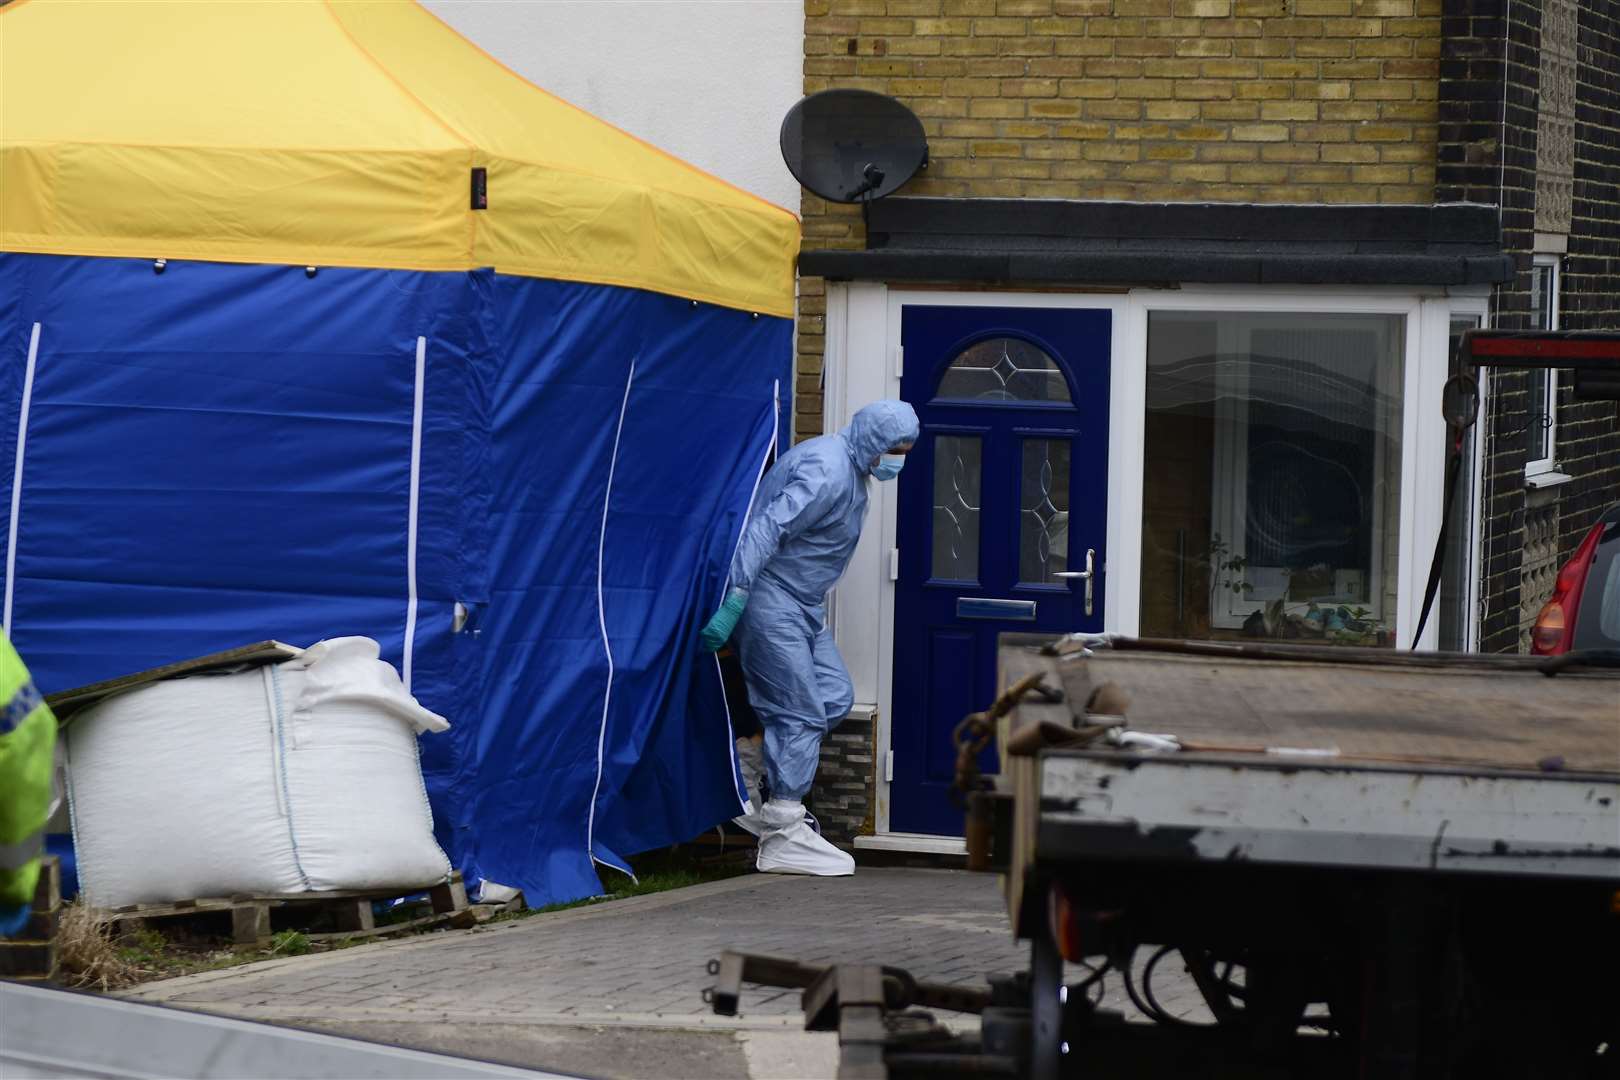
(89, 959)
(95, 955)
(655, 872)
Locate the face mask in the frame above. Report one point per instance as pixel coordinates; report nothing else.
(889, 466)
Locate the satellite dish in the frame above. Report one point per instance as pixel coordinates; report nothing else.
(852, 145)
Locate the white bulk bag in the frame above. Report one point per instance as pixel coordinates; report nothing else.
(289, 777)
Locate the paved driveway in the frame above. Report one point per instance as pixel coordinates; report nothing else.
(615, 989)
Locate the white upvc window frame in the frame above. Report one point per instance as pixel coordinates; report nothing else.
(1546, 466)
(1471, 485)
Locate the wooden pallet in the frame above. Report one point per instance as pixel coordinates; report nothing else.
(346, 913)
(735, 848)
(31, 954)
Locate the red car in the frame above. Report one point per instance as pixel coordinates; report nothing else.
(1584, 612)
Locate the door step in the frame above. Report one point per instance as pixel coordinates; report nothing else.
(913, 843)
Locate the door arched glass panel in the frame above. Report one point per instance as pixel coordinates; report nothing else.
(1004, 369)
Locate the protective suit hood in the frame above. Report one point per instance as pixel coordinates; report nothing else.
(877, 429)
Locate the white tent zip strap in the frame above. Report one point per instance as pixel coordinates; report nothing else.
(410, 534)
(17, 477)
(601, 618)
(759, 478)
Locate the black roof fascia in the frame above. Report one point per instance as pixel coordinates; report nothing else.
(1053, 241)
(1469, 223)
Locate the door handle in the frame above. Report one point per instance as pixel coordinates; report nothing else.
(1088, 575)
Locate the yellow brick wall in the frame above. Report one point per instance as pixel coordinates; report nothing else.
(1148, 100)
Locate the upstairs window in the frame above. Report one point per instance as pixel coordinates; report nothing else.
(1541, 436)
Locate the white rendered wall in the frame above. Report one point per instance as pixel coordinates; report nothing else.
(707, 80)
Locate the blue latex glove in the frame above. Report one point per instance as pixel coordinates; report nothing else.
(720, 625)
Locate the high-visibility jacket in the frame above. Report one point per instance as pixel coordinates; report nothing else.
(27, 747)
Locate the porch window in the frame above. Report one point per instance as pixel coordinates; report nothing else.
(1271, 493)
(1542, 401)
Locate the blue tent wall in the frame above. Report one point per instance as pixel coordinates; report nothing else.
(216, 455)
(681, 438)
(221, 454)
(667, 551)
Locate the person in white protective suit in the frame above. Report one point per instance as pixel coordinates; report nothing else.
(799, 537)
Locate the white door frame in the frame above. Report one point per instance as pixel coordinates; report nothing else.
(863, 363)
(1473, 481)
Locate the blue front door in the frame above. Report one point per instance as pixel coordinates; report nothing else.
(1001, 507)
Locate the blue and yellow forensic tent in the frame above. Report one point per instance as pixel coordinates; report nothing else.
(316, 321)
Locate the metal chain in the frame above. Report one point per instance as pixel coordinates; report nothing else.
(976, 730)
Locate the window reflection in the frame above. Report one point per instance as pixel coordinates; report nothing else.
(1272, 476)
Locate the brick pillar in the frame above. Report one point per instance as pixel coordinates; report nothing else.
(1589, 432)
(844, 798)
(1494, 116)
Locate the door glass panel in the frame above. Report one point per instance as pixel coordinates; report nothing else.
(1004, 369)
(1043, 519)
(958, 462)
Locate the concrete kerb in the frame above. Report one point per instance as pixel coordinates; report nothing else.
(671, 1021)
(959, 1024)
(165, 989)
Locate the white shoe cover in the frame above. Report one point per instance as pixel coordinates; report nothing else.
(788, 846)
(751, 759)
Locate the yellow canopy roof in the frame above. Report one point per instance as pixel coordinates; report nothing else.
(346, 134)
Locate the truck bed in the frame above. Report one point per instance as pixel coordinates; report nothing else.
(1370, 707)
(1311, 757)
